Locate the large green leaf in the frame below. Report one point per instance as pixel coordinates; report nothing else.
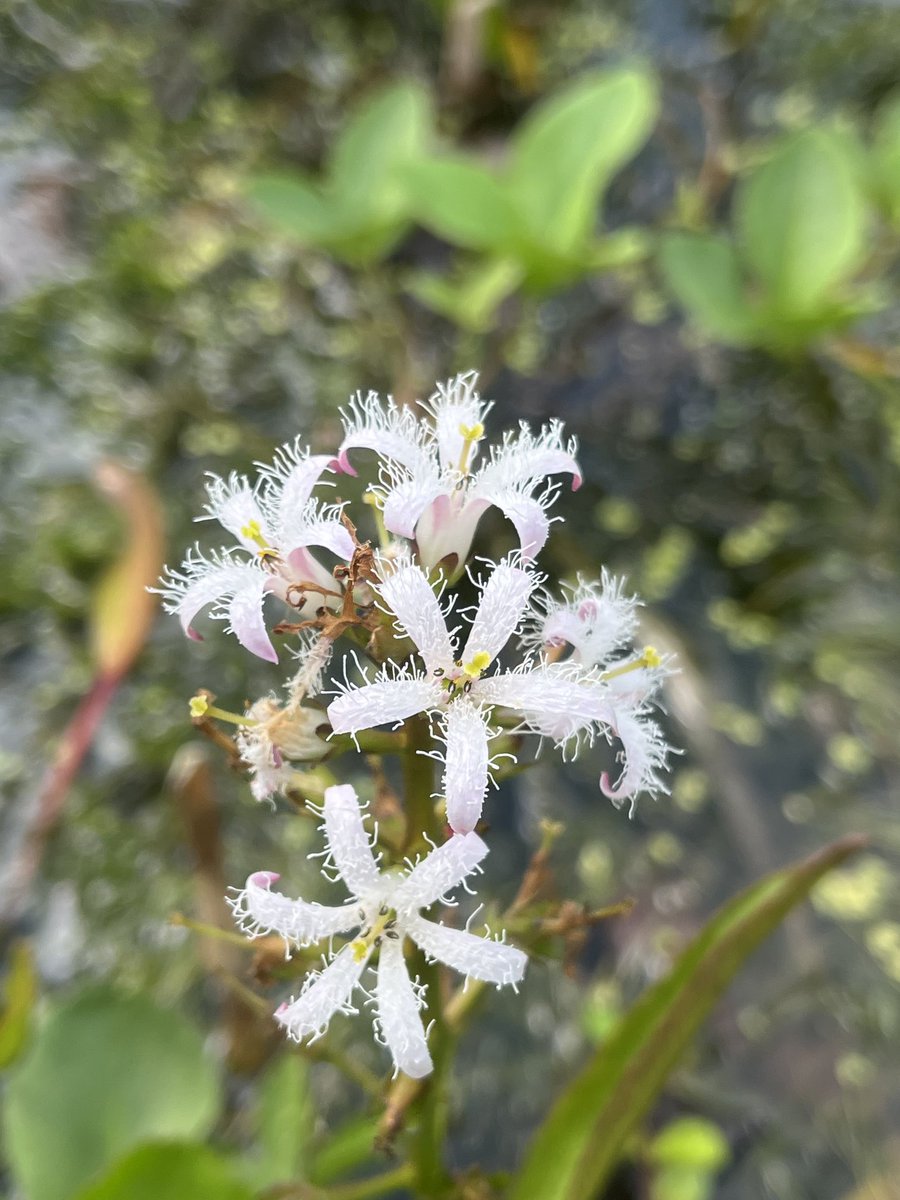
(461, 202)
(172, 1170)
(565, 152)
(296, 206)
(19, 994)
(104, 1074)
(386, 131)
(581, 1141)
(801, 218)
(286, 1121)
(703, 272)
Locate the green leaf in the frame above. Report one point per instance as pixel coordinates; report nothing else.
(565, 152)
(703, 272)
(886, 154)
(690, 1142)
(19, 995)
(461, 202)
(286, 1119)
(385, 132)
(581, 1141)
(104, 1074)
(297, 207)
(348, 1148)
(801, 218)
(156, 1172)
(471, 298)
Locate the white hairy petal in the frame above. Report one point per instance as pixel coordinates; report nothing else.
(258, 910)
(409, 596)
(324, 531)
(525, 460)
(291, 476)
(448, 527)
(551, 702)
(596, 620)
(348, 842)
(503, 601)
(405, 500)
(384, 702)
(245, 615)
(398, 1012)
(644, 755)
(527, 514)
(439, 872)
(324, 994)
(394, 433)
(456, 404)
(235, 505)
(478, 957)
(466, 764)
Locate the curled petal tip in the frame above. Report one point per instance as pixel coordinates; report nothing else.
(342, 463)
(264, 879)
(577, 481)
(193, 634)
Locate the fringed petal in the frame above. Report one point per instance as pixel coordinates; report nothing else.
(398, 1005)
(259, 911)
(404, 501)
(524, 459)
(596, 619)
(235, 505)
(527, 513)
(477, 957)
(348, 842)
(466, 764)
(438, 873)
(324, 994)
(644, 755)
(455, 406)
(503, 601)
(407, 593)
(550, 700)
(394, 433)
(291, 476)
(245, 615)
(384, 702)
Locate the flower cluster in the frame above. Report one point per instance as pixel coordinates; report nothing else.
(521, 660)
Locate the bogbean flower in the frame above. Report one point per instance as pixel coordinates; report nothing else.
(566, 702)
(433, 489)
(384, 909)
(274, 523)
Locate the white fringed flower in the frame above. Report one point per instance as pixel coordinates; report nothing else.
(432, 489)
(568, 702)
(385, 908)
(274, 522)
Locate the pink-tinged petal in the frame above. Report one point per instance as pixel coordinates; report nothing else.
(596, 620)
(347, 841)
(466, 764)
(291, 476)
(235, 505)
(439, 872)
(551, 702)
(478, 957)
(398, 1008)
(447, 527)
(245, 616)
(384, 702)
(405, 501)
(395, 433)
(455, 406)
(305, 568)
(528, 516)
(324, 994)
(333, 535)
(218, 580)
(525, 460)
(407, 593)
(259, 911)
(644, 755)
(504, 599)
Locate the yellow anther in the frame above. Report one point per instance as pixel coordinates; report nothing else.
(252, 531)
(651, 657)
(360, 949)
(199, 706)
(470, 435)
(477, 663)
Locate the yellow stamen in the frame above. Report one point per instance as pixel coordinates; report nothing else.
(376, 503)
(362, 944)
(200, 707)
(649, 658)
(477, 664)
(360, 949)
(470, 435)
(252, 531)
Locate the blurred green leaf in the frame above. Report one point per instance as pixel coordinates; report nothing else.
(886, 154)
(104, 1074)
(681, 1183)
(582, 1139)
(703, 272)
(462, 202)
(801, 219)
(172, 1170)
(690, 1142)
(286, 1118)
(19, 995)
(567, 149)
(470, 298)
(296, 206)
(349, 1147)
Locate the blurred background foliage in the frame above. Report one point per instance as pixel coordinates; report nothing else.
(674, 225)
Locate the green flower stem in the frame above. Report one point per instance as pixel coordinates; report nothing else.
(361, 1189)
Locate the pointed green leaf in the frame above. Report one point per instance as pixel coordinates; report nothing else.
(565, 152)
(578, 1146)
(461, 202)
(801, 219)
(297, 207)
(156, 1172)
(470, 299)
(103, 1074)
(703, 272)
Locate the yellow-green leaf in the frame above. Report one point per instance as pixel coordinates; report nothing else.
(20, 993)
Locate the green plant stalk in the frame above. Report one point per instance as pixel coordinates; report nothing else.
(422, 824)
